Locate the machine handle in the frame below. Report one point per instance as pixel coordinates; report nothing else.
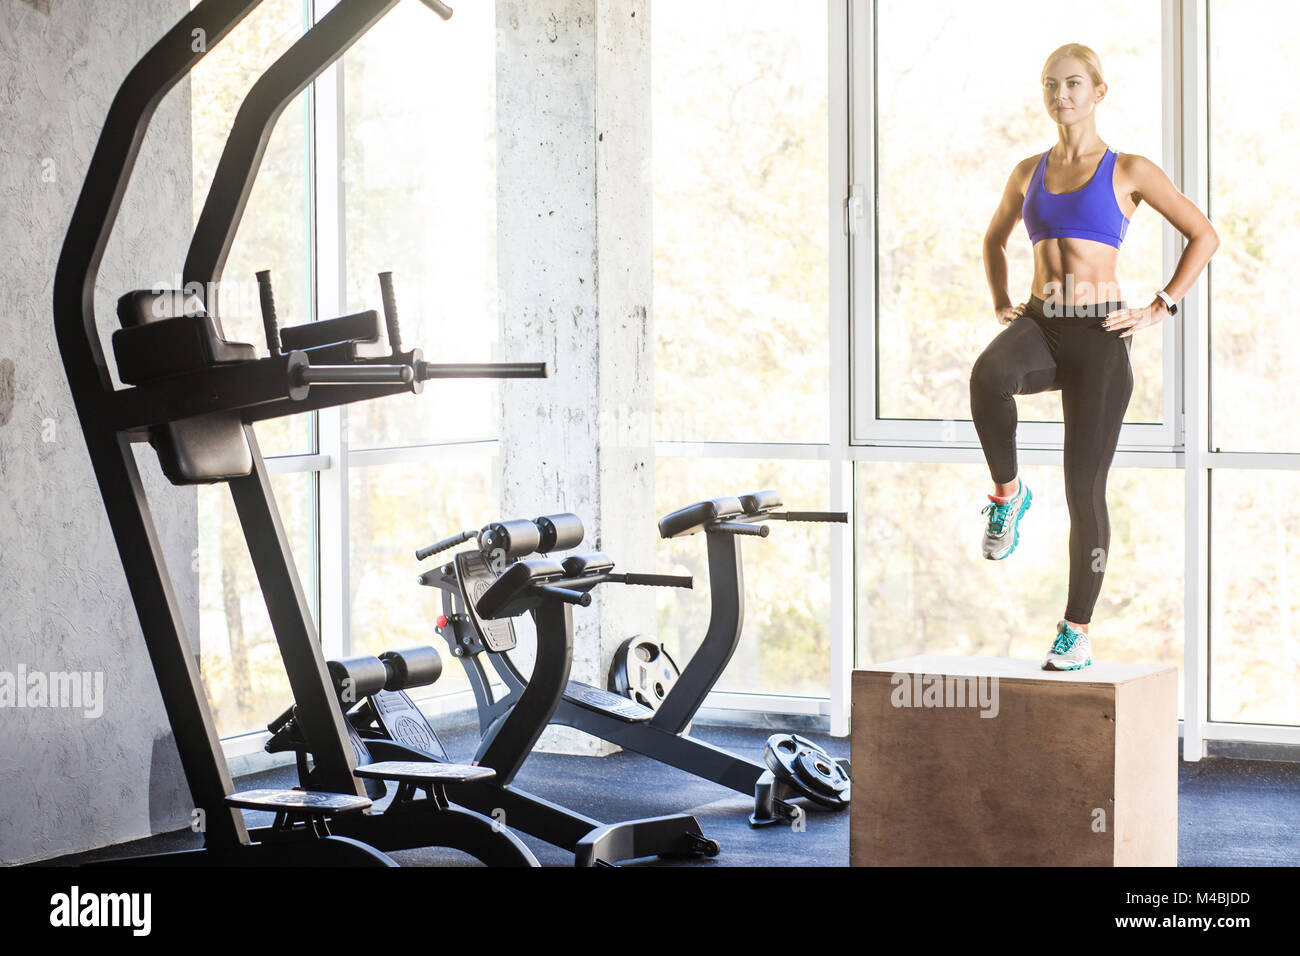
(353, 375)
(654, 580)
(741, 527)
(444, 544)
(390, 312)
(269, 321)
(282, 721)
(837, 517)
(427, 370)
(580, 598)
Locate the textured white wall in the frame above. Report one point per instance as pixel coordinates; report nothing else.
(575, 285)
(68, 782)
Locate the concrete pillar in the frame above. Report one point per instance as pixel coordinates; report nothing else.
(574, 248)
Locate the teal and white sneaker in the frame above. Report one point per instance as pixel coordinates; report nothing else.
(1002, 533)
(1071, 651)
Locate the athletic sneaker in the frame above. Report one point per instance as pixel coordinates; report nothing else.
(1002, 533)
(1070, 651)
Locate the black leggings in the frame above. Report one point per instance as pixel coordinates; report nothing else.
(1090, 367)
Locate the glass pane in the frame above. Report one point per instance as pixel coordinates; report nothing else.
(1254, 600)
(952, 124)
(396, 509)
(785, 648)
(924, 588)
(240, 659)
(741, 260)
(275, 232)
(419, 176)
(1254, 202)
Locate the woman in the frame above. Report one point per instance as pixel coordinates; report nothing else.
(1075, 333)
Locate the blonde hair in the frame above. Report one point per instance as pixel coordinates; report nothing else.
(1076, 51)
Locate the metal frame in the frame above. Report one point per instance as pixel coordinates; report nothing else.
(1186, 20)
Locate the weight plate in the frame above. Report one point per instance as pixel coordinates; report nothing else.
(643, 670)
(807, 769)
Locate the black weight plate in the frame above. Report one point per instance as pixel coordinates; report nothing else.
(798, 762)
(821, 773)
(643, 670)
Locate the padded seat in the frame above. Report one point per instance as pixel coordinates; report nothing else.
(593, 562)
(697, 517)
(358, 327)
(166, 333)
(760, 501)
(146, 353)
(304, 803)
(422, 773)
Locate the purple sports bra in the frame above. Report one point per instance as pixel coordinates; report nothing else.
(1091, 212)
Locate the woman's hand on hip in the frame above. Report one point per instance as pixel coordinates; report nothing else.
(1009, 313)
(1130, 320)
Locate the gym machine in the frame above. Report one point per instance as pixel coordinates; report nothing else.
(384, 724)
(634, 713)
(195, 396)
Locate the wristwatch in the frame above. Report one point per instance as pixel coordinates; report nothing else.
(1164, 297)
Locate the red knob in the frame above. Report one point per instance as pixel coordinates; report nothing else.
(442, 621)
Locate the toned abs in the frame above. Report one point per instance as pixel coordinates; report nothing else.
(1089, 265)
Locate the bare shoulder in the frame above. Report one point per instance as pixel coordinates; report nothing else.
(1139, 175)
(1136, 168)
(1024, 172)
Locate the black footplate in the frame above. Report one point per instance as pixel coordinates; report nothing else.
(420, 772)
(602, 701)
(405, 722)
(298, 802)
(475, 576)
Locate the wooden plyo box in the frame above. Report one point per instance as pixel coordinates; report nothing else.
(1073, 768)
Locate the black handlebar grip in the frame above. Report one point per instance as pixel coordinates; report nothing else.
(568, 596)
(390, 311)
(444, 544)
(838, 517)
(282, 721)
(659, 580)
(741, 527)
(269, 321)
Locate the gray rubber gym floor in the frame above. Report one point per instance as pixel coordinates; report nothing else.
(1231, 812)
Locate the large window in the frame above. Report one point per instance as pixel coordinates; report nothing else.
(821, 186)
(1200, 572)
(239, 656)
(741, 171)
(1254, 201)
(952, 119)
(419, 187)
(1254, 126)
(335, 203)
(742, 284)
(924, 588)
(786, 644)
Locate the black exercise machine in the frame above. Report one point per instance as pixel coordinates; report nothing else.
(194, 396)
(384, 723)
(793, 767)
